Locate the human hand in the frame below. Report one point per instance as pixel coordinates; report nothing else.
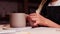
(35, 19)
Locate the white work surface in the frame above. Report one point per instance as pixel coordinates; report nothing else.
(29, 30)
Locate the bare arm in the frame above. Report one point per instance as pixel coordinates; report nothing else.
(49, 23)
(39, 19)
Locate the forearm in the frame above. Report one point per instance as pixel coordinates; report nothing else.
(49, 23)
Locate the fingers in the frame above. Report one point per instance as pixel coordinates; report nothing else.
(33, 14)
(35, 24)
(33, 18)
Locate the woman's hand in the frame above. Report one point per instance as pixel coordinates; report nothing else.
(35, 19)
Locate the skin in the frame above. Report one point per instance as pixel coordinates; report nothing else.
(40, 20)
(53, 0)
(37, 19)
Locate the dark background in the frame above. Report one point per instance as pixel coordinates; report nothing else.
(16, 6)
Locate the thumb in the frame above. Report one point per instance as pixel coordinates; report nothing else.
(35, 24)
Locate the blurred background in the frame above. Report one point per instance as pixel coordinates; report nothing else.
(16, 6)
